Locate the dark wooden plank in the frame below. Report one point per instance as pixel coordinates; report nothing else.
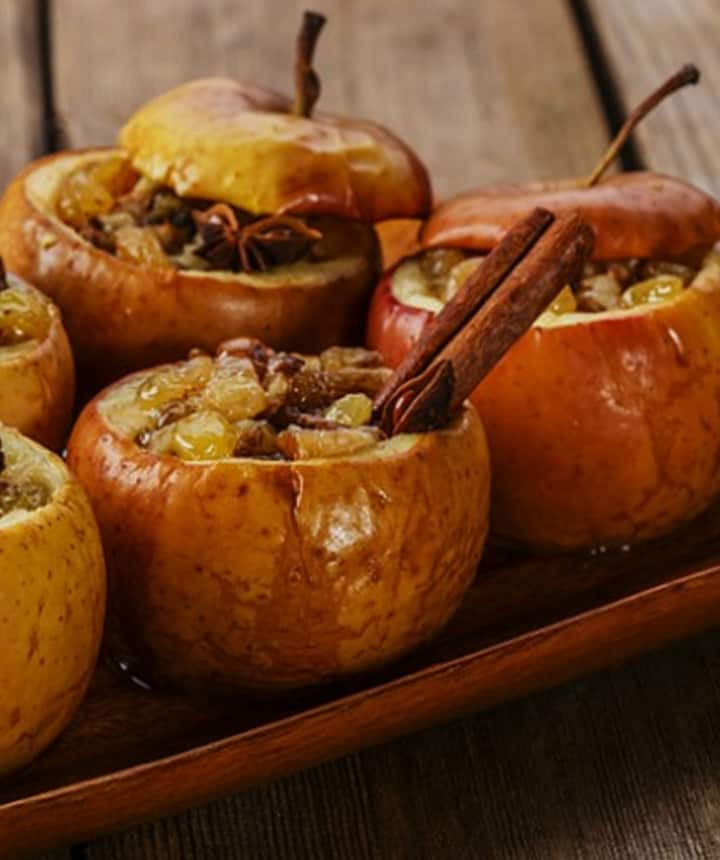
(453, 77)
(644, 43)
(20, 99)
(621, 765)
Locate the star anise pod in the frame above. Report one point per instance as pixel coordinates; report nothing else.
(253, 246)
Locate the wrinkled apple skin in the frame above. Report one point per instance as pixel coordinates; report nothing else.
(603, 429)
(267, 575)
(52, 605)
(37, 386)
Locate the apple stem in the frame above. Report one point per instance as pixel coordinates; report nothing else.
(307, 83)
(688, 74)
(3, 276)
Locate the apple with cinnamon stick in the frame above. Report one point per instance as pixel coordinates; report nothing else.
(227, 210)
(273, 520)
(604, 420)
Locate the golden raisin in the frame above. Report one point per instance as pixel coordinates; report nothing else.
(352, 410)
(652, 291)
(204, 435)
(141, 246)
(91, 190)
(564, 302)
(238, 396)
(23, 316)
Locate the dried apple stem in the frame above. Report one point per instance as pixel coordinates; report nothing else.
(688, 74)
(3, 276)
(307, 83)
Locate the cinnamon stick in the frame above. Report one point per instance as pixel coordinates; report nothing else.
(446, 377)
(496, 266)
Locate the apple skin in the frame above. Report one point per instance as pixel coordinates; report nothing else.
(633, 214)
(37, 385)
(225, 140)
(392, 326)
(259, 575)
(122, 317)
(604, 429)
(52, 591)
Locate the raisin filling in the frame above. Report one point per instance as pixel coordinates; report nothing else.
(433, 277)
(18, 490)
(24, 315)
(139, 221)
(250, 401)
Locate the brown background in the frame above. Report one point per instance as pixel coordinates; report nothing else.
(622, 765)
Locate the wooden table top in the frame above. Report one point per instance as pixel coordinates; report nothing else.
(620, 765)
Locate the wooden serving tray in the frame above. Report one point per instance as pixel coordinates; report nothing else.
(525, 625)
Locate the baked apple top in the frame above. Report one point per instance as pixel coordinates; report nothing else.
(430, 279)
(25, 314)
(249, 401)
(27, 480)
(635, 214)
(228, 141)
(221, 175)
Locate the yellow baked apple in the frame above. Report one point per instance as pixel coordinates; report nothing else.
(261, 533)
(52, 597)
(37, 377)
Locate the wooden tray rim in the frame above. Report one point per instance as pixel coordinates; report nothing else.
(117, 778)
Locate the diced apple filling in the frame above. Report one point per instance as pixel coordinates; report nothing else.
(24, 315)
(432, 278)
(142, 222)
(250, 401)
(20, 488)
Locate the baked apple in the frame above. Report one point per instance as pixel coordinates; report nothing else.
(52, 594)
(37, 378)
(261, 533)
(603, 421)
(227, 210)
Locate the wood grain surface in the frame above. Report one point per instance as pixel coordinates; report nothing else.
(20, 100)
(644, 43)
(622, 765)
(451, 77)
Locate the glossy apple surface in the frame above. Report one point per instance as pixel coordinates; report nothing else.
(260, 574)
(52, 593)
(121, 316)
(37, 376)
(603, 428)
(634, 214)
